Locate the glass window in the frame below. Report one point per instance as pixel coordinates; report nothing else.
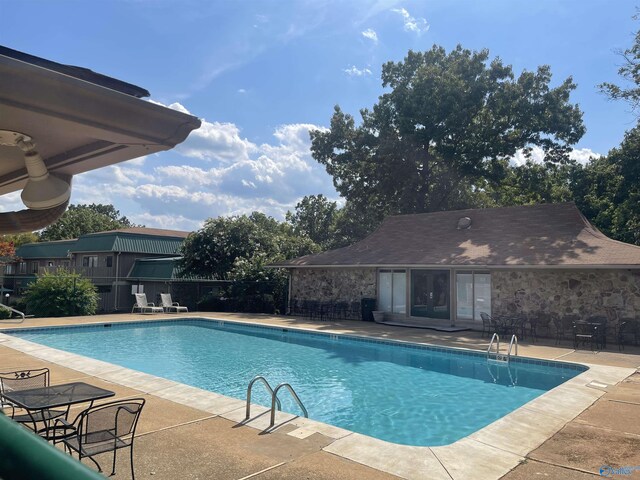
(482, 295)
(392, 295)
(34, 267)
(399, 292)
(109, 261)
(22, 267)
(464, 295)
(90, 261)
(385, 299)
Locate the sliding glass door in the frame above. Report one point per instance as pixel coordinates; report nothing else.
(392, 295)
(473, 294)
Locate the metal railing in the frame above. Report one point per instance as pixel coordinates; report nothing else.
(495, 338)
(17, 312)
(275, 401)
(250, 388)
(498, 356)
(274, 397)
(511, 343)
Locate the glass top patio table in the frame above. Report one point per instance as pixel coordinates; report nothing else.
(56, 395)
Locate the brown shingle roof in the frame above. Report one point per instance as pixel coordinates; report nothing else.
(543, 235)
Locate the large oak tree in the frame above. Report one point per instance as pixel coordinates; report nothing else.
(448, 124)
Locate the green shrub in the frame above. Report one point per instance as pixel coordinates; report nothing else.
(19, 303)
(61, 294)
(213, 302)
(4, 313)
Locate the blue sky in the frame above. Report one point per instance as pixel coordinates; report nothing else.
(262, 73)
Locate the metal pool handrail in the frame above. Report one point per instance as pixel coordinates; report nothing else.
(274, 398)
(513, 339)
(267, 386)
(17, 312)
(495, 337)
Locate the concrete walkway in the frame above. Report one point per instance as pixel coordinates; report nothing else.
(177, 441)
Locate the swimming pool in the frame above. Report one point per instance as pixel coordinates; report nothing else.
(403, 393)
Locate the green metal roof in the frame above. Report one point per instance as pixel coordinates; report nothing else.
(159, 269)
(128, 242)
(58, 249)
(154, 269)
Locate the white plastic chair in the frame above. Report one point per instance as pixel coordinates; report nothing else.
(170, 306)
(143, 306)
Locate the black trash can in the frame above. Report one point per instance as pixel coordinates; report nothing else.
(367, 306)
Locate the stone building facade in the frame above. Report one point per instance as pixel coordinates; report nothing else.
(447, 268)
(332, 284)
(562, 292)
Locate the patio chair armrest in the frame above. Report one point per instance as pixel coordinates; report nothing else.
(151, 304)
(61, 430)
(175, 304)
(62, 421)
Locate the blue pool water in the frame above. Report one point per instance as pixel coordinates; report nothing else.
(401, 394)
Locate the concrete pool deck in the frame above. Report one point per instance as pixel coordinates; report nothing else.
(190, 433)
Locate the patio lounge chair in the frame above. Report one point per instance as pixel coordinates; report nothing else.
(143, 306)
(22, 380)
(170, 306)
(101, 429)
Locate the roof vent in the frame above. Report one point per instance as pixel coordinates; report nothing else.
(464, 223)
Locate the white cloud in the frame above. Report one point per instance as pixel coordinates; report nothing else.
(354, 71)
(214, 172)
(170, 222)
(581, 155)
(241, 91)
(11, 202)
(371, 34)
(412, 24)
(217, 141)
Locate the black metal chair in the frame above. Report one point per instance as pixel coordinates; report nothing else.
(23, 380)
(601, 324)
(564, 326)
(487, 324)
(583, 333)
(627, 328)
(543, 324)
(354, 311)
(341, 310)
(101, 429)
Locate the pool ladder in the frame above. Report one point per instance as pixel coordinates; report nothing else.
(275, 401)
(497, 355)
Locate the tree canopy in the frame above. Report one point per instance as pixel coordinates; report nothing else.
(315, 217)
(18, 239)
(630, 73)
(607, 190)
(82, 219)
(236, 248)
(449, 124)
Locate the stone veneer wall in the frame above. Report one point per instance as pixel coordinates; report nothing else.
(583, 292)
(333, 284)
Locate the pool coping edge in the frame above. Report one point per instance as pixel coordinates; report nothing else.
(488, 453)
